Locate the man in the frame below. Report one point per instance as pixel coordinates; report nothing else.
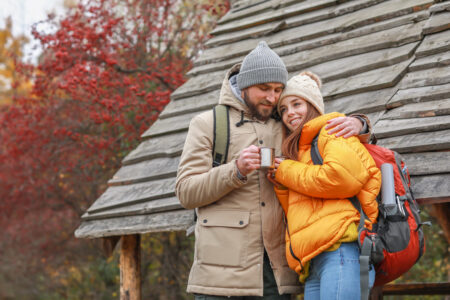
(240, 232)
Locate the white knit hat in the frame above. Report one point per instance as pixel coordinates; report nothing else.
(305, 85)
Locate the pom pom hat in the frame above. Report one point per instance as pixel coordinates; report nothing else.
(305, 85)
(261, 65)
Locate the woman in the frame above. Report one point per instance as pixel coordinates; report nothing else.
(322, 223)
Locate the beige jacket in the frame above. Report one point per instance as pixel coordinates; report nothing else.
(236, 219)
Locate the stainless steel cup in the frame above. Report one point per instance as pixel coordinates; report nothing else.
(267, 158)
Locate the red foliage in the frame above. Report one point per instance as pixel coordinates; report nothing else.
(107, 71)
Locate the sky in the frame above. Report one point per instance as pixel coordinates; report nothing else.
(24, 14)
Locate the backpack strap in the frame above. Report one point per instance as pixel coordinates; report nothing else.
(366, 246)
(403, 175)
(364, 260)
(315, 154)
(221, 138)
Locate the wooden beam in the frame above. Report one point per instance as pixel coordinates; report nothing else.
(427, 163)
(191, 104)
(142, 208)
(154, 169)
(430, 201)
(152, 148)
(176, 220)
(418, 142)
(364, 82)
(170, 125)
(130, 268)
(432, 288)
(367, 102)
(391, 128)
(360, 63)
(435, 76)
(124, 195)
(440, 107)
(430, 189)
(419, 94)
(433, 43)
(437, 22)
(199, 85)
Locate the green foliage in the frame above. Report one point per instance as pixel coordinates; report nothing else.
(166, 259)
(96, 278)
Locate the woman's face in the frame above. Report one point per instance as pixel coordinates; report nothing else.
(293, 111)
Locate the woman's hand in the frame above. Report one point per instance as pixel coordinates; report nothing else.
(277, 162)
(271, 172)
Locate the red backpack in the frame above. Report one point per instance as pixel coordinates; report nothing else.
(396, 241)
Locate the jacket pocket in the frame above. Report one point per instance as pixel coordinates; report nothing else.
(223, 237)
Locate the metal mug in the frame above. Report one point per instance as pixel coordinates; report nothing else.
(267, 158)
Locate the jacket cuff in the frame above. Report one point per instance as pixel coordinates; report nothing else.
(237, 174)
(363, 121)
(365, 134)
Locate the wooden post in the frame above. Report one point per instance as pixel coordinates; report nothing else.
(130, 268)
(441, 211)
(376, 293)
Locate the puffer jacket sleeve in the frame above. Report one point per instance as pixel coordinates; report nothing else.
(342, 174)
(197, 183)
(283, 197)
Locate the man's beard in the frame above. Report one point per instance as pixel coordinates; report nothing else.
(254, 109)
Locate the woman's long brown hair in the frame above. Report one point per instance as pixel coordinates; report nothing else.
(290, 144)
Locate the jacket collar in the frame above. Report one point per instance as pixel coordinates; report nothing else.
(227, 96)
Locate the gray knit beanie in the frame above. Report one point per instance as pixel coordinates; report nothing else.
(261, 65)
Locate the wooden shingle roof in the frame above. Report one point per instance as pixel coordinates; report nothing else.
(387, 59)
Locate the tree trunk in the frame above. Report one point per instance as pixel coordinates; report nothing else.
(130, 268)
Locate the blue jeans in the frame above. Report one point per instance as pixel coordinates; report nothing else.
(335, 275)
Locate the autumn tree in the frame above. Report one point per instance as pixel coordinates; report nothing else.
(107, 70)
(11, 82)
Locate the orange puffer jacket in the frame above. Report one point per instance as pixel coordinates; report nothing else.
(315, 201)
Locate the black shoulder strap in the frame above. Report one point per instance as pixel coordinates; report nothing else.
(315, 154)
(221, 134)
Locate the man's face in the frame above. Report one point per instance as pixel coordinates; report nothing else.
(262, 99)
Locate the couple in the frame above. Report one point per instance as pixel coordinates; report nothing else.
(242, 247)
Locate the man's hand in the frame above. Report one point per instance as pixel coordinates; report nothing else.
(344, 126)
(249, 160)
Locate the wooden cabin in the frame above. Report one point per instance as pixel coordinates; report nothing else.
(387, 59)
